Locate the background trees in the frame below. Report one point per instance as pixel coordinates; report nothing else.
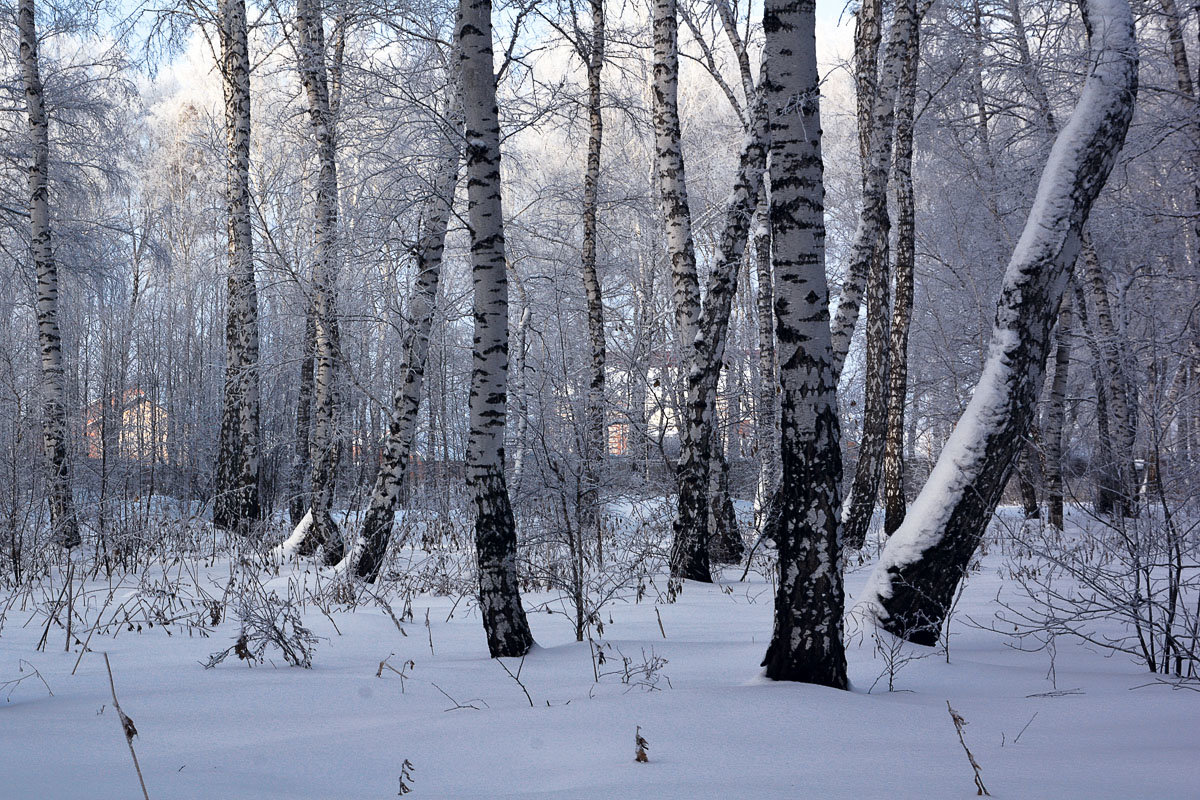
(352, 255)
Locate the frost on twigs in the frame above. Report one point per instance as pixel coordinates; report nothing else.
(269, 621)
(959, 724)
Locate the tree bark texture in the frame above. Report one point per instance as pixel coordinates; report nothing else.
(63, 520)
(323, 444)
(894, 500)
(236, 506)
(806, 644)
(504, 618)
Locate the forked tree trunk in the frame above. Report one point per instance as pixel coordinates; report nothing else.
(1056, 415)
(236, 505)
(692, 529)
(594, 427)
(873, 220)
(871, 253)
(63, 520)
(323, 444)
(806, 644)
(894, 500)
(504, 618)
(371, 548)
(912, 587)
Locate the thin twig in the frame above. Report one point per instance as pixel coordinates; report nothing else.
(126, 726)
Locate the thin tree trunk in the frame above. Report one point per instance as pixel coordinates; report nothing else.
(298, 501)
(323, 444)
(495, 527)
(859, 505)
(236, 506)
(594, 429)
(912, 588)
(63, 520)
(371, 548)
(806, 644)
(1056, 415)
(766, 420)
(873, 221)
(692, 529)
(894, 500)
(689, 554)
(1116, 381)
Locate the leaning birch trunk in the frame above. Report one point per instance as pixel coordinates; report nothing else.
(766, 418)
(911, 589)
(368, 554)
(495, 527)
(594, 429)
(1056, 415)
(894, 500)
(63, 521)
(707, 356)
(689, 553)
(806, 644)
(323, 446)
(236, 505)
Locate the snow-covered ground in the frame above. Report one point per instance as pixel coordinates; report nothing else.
(1078, 725)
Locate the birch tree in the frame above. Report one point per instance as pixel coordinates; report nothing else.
(371, 548)
(689, 553)
(806, 644)
(322, 442)
(869, 254)
(495, 527)
(894, 499)
(911, 589)
(236, 503)
(63, 520)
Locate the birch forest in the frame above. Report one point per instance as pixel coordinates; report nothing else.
(597, 399)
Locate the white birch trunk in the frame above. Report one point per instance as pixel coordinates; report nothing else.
(323, 446)
(806, 644)
(63, 520)
(495, 527)
(236, 505)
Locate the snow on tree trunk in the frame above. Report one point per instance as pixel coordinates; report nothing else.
(323, 446)
(692, 528)
(236, 504)
(63, 520)
(912, 587)
(495, 527)
(1056, 415)
(894, 500)
(806, 644)
(595, 428)
(371, 548)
